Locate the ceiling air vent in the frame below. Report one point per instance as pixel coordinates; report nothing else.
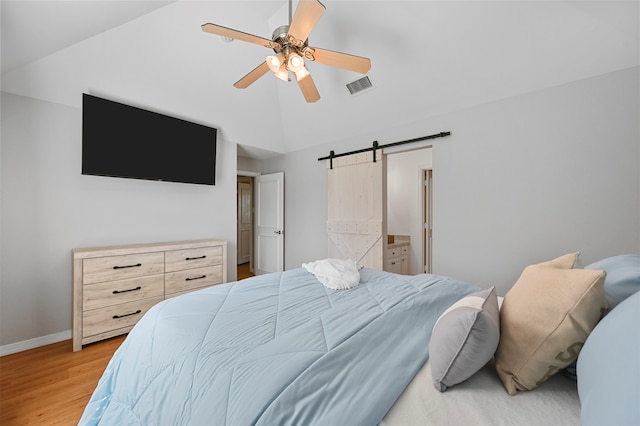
(360, 85)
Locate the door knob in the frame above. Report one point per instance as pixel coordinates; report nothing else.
(278, 232)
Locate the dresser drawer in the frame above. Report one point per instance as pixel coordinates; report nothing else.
(112, 268)
(114, 292)
(175, 282)
(114, 317)
(397, 251)
(394, 266)
(178, 260)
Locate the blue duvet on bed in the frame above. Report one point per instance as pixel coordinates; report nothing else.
(274, 349)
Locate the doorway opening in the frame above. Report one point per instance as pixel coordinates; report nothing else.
(409, 209)
(245, 221)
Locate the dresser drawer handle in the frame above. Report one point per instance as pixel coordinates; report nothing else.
(126, 291)
(127, 315)
(196, 278)
(195, 258)
(127, 266)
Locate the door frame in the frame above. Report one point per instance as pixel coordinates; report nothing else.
(427, 219)
(245, 181)
(253, 221)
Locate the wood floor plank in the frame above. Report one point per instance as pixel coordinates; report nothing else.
(51, 385)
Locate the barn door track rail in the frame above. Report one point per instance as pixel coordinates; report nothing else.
(375, 146)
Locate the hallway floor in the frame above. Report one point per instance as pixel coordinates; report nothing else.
(244, 272)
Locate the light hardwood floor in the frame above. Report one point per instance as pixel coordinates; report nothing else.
(52, 384)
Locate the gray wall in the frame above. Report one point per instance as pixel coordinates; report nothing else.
(48, 208)
(519, 181)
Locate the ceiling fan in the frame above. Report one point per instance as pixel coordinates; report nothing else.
(290, 44)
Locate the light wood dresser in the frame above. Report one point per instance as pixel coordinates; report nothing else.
(397, 254)
(113, 287)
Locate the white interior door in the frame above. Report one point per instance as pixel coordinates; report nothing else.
(356, 201)
(269, 205)
(244, 222)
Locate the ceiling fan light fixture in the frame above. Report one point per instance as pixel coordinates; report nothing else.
(275, 62)
(282, 73)
(296, 63)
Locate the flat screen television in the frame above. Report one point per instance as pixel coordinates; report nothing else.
(119, 140)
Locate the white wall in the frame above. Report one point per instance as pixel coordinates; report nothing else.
(404, 199)
(519, 181)
(249, 166)
(48, 208)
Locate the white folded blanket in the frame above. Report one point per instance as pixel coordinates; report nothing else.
(335, 274)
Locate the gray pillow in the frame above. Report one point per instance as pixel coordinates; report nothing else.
(464, 338)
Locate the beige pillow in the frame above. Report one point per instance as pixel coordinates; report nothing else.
(545, 319)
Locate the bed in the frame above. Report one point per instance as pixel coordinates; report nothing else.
(285, 349)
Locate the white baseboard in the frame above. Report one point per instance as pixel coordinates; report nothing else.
(12, 348)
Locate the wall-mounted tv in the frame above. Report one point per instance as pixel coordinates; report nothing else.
(119, 140)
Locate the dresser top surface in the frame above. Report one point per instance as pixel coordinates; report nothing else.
(144, 248)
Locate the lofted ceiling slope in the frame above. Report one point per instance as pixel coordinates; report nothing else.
(428, 58)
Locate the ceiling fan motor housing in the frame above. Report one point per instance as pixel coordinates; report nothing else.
(288, 43)
(280, 36)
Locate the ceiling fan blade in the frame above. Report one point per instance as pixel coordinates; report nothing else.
(306, 17)
(342, 60)
(239, 35)
(309, 89)
(250, 78)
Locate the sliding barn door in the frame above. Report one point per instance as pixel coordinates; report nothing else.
(356, 208)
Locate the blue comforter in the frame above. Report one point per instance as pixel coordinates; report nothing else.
(274, 349)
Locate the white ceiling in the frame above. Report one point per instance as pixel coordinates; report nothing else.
(428, 58)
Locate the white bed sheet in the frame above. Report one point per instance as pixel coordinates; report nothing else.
(482, 400)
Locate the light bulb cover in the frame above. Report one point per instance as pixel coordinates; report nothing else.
(275, 62)
(282, 73)
(296, 62)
